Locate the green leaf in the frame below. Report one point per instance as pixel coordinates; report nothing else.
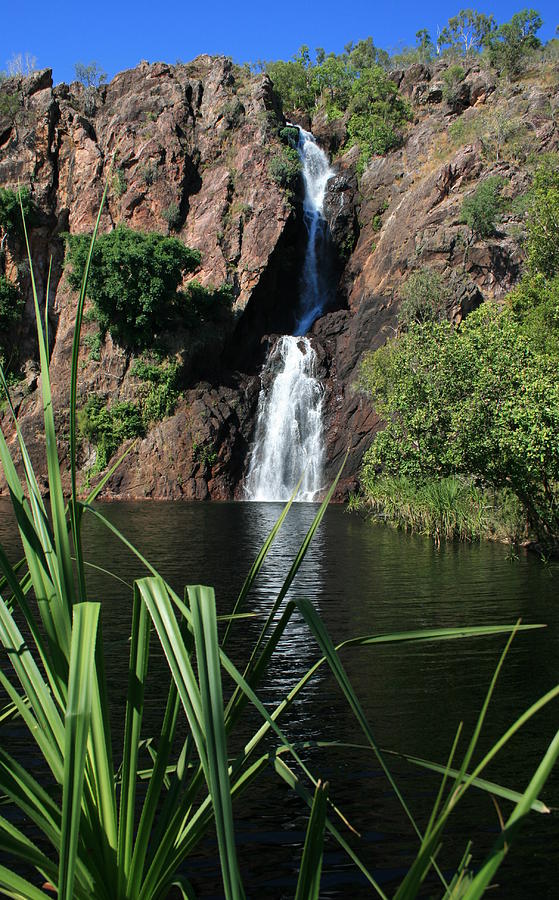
(308, 884)
(77, 724)
(202, 606)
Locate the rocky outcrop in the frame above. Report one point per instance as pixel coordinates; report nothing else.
(185, 147)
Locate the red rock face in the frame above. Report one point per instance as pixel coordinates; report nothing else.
(192, 144)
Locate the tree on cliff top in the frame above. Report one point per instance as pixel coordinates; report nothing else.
(90, 75)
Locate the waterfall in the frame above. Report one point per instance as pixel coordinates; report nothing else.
(316, 277)
(289, 442)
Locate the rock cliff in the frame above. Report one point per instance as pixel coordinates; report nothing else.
(188, 148)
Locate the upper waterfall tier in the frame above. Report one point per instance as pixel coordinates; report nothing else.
(315, 285)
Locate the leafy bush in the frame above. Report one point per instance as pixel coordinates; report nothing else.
(478, 401)
(452, 79)
(535, 300)
(206, 304)
(290, 135)
(108, 426)
(481, 211)
(133, 281)
(542, 244)
(172, 215)
(10, 105)
(284, 168)
(160, 390)
(11, 204)
(11, 307)
(425, 296)
(376, 114)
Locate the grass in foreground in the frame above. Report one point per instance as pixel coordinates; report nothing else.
(98, 836)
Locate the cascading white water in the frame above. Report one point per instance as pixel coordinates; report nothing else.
(315, 287)
(288, 441)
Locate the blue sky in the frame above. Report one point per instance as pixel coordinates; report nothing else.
(118, 35)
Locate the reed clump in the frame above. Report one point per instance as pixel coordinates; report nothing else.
(450, 508)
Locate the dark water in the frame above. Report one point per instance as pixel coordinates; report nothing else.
(363, 579)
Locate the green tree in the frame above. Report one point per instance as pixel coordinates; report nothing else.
(293, 80)
(91, 74)
(133, 281)
(11, 204)
(424, 45)
(424, 298)
(377, 113)
(513, 41)
(11, 307)
(478, 401)
(482, 209)
(535, 300)
(467, 31)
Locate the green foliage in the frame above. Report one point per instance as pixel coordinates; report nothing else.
(11, 204)
(425, 48)
(160, 390)
(293, 80)
(285, 167)
(108, 427)
(452, 79)
(118, 183)
(481, 211)
(11, 308)
(172, 215)
(133, 281)
(513, 42)
(376, 114)
(535, 300)
(206, 304)
(468, 31)
(290, 135)
(91, 74)
(542, 244)
(425, 296)
(10, 105)
(479, 401)
(445, 508)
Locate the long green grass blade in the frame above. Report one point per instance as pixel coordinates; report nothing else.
(77, 724)
(18, 888)
(75, 509)
(137, 673)
(63, 559)
(488, 871)
(151, 802)
(489, 787)
(202, 606)
(308, 884)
